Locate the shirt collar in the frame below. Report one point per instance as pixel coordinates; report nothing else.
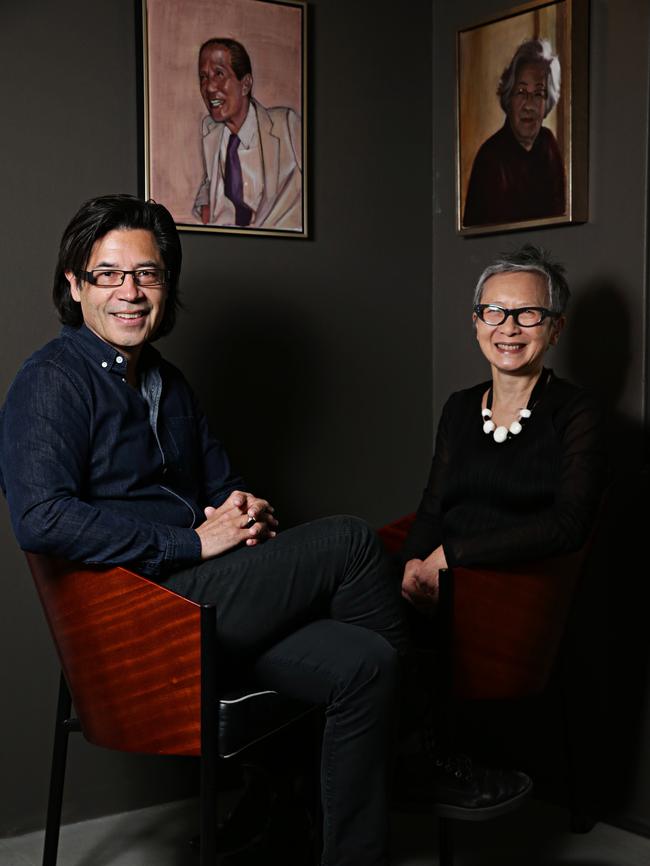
(248, 128)
(102, 354)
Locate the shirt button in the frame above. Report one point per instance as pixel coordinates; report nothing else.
(104, 364)
(119, 359)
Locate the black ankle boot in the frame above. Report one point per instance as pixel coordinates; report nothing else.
(457, 787)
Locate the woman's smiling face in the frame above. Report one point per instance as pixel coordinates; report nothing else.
(509, 347)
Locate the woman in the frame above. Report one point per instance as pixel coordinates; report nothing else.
(519, 466)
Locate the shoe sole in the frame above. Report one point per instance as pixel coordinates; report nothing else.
(482, 813)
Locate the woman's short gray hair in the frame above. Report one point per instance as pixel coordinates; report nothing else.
(534, 259)
(532, 51)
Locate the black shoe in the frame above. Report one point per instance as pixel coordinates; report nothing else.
(457, 788)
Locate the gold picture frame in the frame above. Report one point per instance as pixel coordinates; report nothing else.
(189, 120)
(522, 141)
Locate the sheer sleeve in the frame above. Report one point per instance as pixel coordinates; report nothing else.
(426, 532)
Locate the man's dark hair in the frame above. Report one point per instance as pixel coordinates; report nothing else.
(239, 59)
(95, 219)
(537, 260)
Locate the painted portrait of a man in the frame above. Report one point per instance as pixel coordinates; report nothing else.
(252, 155)
(225, 100)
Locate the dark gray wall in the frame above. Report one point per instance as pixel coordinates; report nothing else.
(603, 346)
(312, 357)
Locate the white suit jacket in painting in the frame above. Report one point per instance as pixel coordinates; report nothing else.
(280, 137)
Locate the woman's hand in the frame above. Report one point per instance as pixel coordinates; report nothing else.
(420, 581)
(241, 518)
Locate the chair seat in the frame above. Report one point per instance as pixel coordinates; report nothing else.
(249, 714)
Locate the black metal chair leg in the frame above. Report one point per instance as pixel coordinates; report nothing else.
(581, 820)
(208, 809)
(314, 781)
(209, 738)
(446, 841)
(57, 775)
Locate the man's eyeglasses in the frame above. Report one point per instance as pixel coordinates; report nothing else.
(110, 278)
(525, 317)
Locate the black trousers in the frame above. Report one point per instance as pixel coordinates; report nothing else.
(317, 611)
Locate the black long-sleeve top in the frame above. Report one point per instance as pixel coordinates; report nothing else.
(533, 496)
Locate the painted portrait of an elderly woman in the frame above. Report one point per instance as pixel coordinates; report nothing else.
(516, 98)
(518, 173)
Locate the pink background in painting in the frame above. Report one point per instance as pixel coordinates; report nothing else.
(176, 29)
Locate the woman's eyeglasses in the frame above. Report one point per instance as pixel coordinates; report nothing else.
(525, 317)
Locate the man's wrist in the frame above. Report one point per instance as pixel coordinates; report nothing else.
(184, 546)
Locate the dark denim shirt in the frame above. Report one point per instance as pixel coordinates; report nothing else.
(97, 471)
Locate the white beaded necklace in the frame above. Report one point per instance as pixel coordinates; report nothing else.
(501, 433)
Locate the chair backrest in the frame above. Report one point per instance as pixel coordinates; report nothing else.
(506, 623)
(130, 653)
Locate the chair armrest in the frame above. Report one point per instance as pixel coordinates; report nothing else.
(394, 534)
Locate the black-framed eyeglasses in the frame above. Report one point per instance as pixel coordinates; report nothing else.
(111, 278)
(525, 317)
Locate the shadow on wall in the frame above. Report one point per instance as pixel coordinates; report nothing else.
(599, 353)
(262, 390)
(601, 361)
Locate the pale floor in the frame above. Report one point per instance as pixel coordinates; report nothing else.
(536, 835)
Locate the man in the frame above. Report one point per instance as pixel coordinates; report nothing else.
(105, 457)
(252, 156)
(518, 173)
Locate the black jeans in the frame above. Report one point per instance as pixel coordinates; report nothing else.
(318, 612)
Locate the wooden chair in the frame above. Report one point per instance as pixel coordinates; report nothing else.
(141, 665)
(498, 633)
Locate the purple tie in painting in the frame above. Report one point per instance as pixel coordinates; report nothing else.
(233, 184)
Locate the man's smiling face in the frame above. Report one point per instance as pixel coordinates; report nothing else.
(125, 316)
(225, 96)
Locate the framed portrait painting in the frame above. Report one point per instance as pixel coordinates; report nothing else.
(224, 114)
(522, 118)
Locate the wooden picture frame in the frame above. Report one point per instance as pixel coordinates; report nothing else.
(522, 140)
(196, 100)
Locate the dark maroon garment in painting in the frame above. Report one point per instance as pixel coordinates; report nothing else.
(509, 183)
